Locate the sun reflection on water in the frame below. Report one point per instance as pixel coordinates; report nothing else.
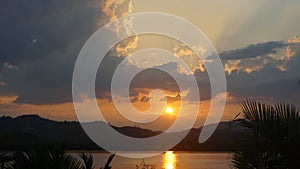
(169, 160)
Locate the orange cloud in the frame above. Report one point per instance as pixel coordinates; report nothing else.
(115, 9)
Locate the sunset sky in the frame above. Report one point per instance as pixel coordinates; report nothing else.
(257, 41)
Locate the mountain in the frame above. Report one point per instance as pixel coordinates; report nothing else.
(27, 131)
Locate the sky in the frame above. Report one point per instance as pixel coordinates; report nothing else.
(258, 43)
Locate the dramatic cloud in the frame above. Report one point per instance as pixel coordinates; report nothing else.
(253, 51)
(35, 29)
(270, 77)
(113, 10)
(40, 41)
(294, 39)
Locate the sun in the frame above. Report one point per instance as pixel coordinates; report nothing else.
(169, 110)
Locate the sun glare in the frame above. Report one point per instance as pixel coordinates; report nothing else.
(169, 161)
(169, 110)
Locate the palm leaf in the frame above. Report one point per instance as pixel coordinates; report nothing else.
(274, 136)
(6, 160)
(109, 160)
(87, 159)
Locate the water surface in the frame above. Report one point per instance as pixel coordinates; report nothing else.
(169, 160)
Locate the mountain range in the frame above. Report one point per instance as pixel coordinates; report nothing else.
(27, 131)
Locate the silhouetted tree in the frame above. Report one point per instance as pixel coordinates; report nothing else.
(49, 157)
(273, 140)
(88, 161)
(6, 161)
(108, 161)
(45, 157)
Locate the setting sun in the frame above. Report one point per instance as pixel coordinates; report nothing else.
(169, 110)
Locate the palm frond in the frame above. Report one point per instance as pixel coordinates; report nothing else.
(109, 160)
(6, 160)
(87, 159)
(273, 139)
(71, 162)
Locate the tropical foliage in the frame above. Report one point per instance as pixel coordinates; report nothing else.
(46, 157)
(273, 137)
(6, 161)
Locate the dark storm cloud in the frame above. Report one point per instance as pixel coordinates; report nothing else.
(273, 76)
(104, 76)
(33, 29)
(142, 83)
(40, 41)
(253, 50)
(155, 79)
(43, 39)
(270, 82)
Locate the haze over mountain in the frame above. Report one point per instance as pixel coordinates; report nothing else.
(27, 131)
